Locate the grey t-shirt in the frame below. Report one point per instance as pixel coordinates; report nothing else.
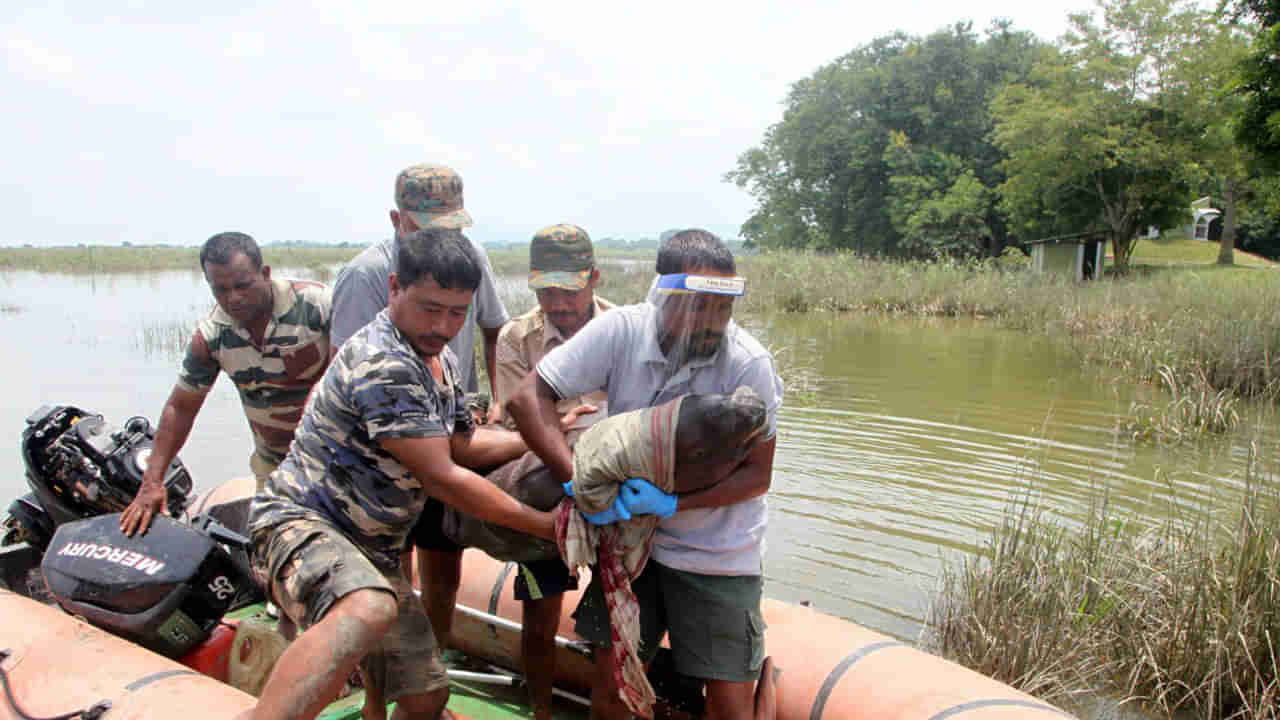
(618, 352)
(360, 293)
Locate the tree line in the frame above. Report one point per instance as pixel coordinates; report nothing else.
(962, 143)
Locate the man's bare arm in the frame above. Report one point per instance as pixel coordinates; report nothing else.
(491, 363)
(512, 365)
(487, 447)
(429, 461)
(751, 479)
(534, 408)
(176, 419)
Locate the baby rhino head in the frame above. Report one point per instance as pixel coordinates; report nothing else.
(714, 434)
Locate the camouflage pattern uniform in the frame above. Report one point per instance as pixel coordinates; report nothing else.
(273, 379)
(335, 516)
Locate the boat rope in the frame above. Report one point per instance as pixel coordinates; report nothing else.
(93, 712)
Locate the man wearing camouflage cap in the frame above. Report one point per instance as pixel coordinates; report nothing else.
(563, 276)
(426, 196)
(703, 583)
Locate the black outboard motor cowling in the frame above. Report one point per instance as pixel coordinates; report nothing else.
(80, 466)
(165, 590)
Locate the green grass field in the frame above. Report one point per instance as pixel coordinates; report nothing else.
(1178, 249)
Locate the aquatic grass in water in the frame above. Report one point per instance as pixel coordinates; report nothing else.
(166, 339)
(1182, 616)
(1193, 411)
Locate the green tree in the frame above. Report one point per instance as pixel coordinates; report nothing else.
(1217, 160)
(1096, 144)
(1259, 81)
(885, 149)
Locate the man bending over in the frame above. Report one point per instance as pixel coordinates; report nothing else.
(386, 428)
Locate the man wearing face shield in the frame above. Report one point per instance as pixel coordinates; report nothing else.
(703, 582)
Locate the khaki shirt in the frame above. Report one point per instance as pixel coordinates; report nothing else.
(521, 344)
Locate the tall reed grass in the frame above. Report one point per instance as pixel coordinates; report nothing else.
(1194, 410)
(166, 339)
(97, 259)
(1179, 616)
(1213, 327)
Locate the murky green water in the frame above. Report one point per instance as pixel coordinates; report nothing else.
(900, 442)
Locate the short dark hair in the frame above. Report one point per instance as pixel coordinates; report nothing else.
(694, 249)
(220, 248)
(443, 253)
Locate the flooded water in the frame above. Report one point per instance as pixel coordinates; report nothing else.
(900, 444)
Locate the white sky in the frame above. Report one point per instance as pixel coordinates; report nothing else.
(155, 122)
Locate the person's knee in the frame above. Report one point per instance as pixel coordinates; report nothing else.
(542, 617)
(424, 706)
(376, 609)
(730, 700)
(441, 566)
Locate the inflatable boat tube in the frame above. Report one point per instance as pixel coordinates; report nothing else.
(831, 669)
(56, 664)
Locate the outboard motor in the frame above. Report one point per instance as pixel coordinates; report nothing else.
(165, 590)
(80, 466)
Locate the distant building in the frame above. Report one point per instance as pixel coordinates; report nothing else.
(1207, 221)
(1079, 257)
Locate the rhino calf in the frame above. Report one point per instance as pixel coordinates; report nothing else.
(713, 435)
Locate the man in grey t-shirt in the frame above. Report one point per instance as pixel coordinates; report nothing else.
(703, 582)
(426, 196)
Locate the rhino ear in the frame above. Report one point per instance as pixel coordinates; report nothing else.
(748, 409)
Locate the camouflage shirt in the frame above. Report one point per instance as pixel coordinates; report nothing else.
(273, 378)
(376, 388)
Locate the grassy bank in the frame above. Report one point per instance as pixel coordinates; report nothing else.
(1175, 248)
(1180, 616)
(1206, 328)
(96, 259)
(1215, 329)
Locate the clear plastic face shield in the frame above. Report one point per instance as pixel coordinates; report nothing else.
(694, 311)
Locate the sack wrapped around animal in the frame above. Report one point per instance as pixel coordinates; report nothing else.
(713, 435)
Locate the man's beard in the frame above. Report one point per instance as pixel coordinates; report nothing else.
(698, 346)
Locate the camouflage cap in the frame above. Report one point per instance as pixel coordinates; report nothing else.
(560, 256)
(431, 195)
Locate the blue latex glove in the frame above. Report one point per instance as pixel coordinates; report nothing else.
(644, 498)
(615, 512)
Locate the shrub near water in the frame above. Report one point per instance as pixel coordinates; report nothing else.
(1182, 617)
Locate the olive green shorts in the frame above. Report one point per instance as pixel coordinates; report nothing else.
(715, 627)
(310, 565)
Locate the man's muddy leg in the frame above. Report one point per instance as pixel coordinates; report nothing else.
(310, 674)
(429, 706)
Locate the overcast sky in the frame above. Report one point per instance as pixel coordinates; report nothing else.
(161, 122)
